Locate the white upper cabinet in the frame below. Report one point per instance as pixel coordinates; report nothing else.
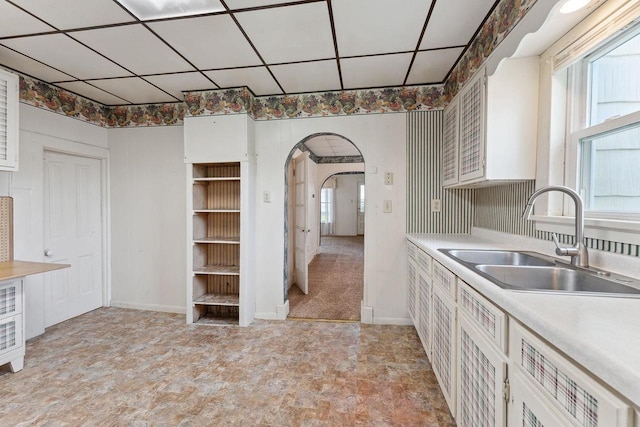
(8, 121)
(217, 139)
(490, 127)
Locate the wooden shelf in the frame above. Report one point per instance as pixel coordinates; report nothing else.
(231, 178)
(218, 299)
(218, 269)
(221, 240)
(216, 211)
(217, 321)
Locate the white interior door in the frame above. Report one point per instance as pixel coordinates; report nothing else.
(360, 208)
(72, 235)
(300, 219)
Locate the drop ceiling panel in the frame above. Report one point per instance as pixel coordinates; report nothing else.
(134, 90)
(433, 65)
(14, 21)
(175, 84)
(28, 66)
(67, 14)
(330, 146)
(135, 48)
(449, 27)
(307, 76)
(375, 71)
(292, 33)
(209, 42)
(365, 27)
(257, 79)
(92, 92)
(67, 55)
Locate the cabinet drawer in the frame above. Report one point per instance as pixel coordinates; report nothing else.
(411, 251)
(10, 298)
(424, 262)
(571, 390)
(485, 316)
(444, 280)
(10, 333)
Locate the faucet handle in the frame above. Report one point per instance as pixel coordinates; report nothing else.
(563, 251)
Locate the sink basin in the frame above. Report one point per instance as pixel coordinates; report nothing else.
(495, 257)
(541, 278)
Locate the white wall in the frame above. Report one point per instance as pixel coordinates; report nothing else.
(148, 213)
(40, 130)
(346, 202)
(381, 139)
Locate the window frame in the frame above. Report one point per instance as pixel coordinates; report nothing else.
(560, 92)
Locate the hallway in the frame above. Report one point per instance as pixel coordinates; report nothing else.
(335, 282)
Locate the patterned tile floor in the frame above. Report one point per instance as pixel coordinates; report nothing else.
(114, 367)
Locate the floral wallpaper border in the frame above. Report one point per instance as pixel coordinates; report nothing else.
(502, 20)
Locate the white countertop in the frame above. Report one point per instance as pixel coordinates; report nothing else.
(600, 333)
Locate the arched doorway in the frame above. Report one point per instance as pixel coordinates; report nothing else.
(311, 164)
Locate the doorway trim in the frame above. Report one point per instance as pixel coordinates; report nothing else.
(302, 147)
(57, 145)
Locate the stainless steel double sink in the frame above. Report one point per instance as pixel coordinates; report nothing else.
(530, 271)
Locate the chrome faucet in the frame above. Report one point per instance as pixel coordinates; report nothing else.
(578, 252)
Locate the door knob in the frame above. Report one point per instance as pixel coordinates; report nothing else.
(48, 252)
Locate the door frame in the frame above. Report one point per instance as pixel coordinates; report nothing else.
(82, 150)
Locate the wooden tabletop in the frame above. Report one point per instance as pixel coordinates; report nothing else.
(14, 269)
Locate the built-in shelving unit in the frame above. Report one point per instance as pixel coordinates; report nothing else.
(215, 288)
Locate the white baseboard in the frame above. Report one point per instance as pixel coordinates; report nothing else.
(366, 314)
(281, 313)
(398, 321)
(149, 307)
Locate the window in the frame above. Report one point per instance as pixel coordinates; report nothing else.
(589, 125)
(606, 132)
(326, 196)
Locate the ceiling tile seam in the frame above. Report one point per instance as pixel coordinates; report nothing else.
(38, 61)
(180, 55)
(335, 42)
(99, 88)
(471, 39)
(415, 52)
(255, 49)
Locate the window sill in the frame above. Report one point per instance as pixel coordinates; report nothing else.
(614, 230)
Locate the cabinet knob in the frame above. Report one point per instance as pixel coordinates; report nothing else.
(48, 252)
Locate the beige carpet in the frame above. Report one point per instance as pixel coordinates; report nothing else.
(335, 282)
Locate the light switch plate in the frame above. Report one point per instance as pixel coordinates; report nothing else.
(386, 206)
(266, 197)
(388, 178)
(436, 205)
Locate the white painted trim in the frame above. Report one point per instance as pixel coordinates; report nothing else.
(366, 314)
(149, 307)
(399, 321)
(281, 313)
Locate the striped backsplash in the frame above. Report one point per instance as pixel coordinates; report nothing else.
(496, 208)
(424, 135)
(500, 208)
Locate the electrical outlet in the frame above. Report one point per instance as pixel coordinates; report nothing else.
(436, 205)
(388, 178)
(386, 206)
(266, 197)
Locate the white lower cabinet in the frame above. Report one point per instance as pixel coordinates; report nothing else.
(528, 409)
(482, 365)
(12, 348)
(443, 345)
(493, 371)
(560, 386)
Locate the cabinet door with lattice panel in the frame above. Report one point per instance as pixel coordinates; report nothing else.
(472, 128)
(443, 344)
(482, 372)
(450, 141)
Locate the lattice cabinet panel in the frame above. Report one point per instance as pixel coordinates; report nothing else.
(472, 110)
(528, 409)
(482, 373)
(425, 317)
(443, 345)
(444, 279)
(486, 317)
(574, 394)
(450, 141)
(412, 272)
